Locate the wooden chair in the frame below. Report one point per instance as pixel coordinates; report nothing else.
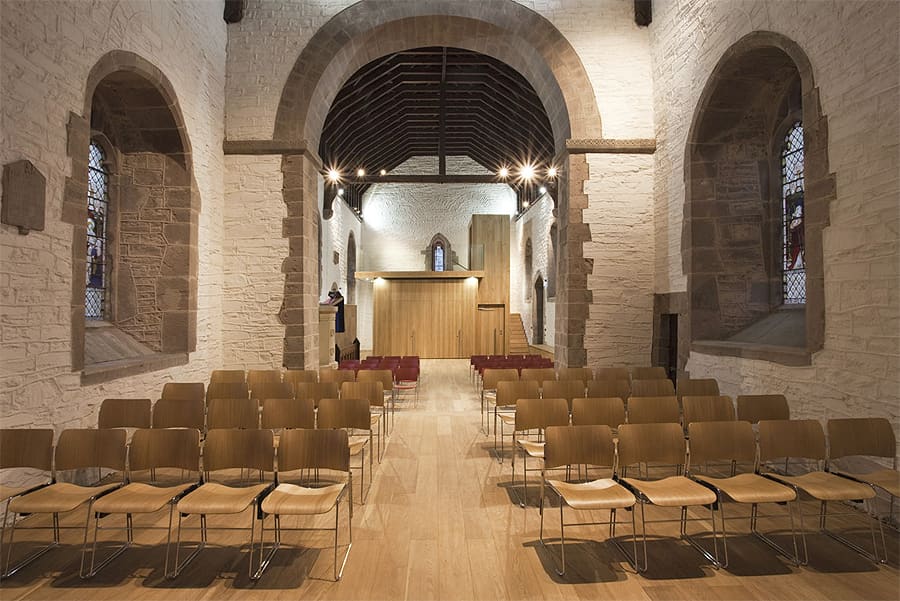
(176, 413)
(233, 376)
(278, 414)
(317, 391)
(296, 376)
(575, 373)
(649, 373)
(508, 392)
(735, 443)
(539, 374)
(612, 373)
(351, 414)
(124, 413)
(386, 377)
(568, 446)
(707, 409)
(658, 387)
(183, 391)
(256, 377)
(696, 387)
(866, 437)
(489, 380)
(226, 450)
(534, 414)
(406, 379)
(653, 410)
(609, 388)
(271, 390)
(312, 450)
(76, 449)
(662, 444)
(371, 391)
(146, 492)
(804, 441)
(598, 411)
(755, 407)
(566, 389)
(338, 376)
(227, 390)
(232, 413)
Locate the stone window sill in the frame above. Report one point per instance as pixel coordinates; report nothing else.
(107, 371)
(793, 356)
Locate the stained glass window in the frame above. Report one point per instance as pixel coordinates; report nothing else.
(437, 254)
(794, 266)
(98, 210)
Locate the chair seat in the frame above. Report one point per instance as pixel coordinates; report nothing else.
(533, 448)
(674, 491)
(213, 497)
(373, 419)
(828, 487)
(357, 445)
(507, 418)
(139, 497)
(7, 492)
(887, 479)
(57, 498)
(291, 499)
(750, 488)
(605, 493)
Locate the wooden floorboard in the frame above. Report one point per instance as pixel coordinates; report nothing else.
(441, 522)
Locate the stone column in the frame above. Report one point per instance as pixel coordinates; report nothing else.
(299, 312)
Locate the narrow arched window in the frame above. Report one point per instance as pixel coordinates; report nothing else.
(437, 256)
(97, 272)
(793, 243)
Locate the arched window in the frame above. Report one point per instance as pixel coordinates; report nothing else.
(793, 243)
(437, 256)
(551, 261)
(97, 284)
(529, 265)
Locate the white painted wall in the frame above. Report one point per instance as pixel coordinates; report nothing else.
(534, 223)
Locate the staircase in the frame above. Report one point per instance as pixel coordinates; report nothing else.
(518, 343)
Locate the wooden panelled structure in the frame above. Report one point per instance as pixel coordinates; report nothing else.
(489, 238)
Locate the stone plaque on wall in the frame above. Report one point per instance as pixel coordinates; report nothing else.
(23, 196)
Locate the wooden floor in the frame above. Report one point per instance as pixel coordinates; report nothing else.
(440, 522)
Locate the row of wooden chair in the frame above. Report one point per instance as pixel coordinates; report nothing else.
(735, 444)
(164, 470)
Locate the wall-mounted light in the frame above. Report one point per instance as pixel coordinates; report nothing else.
(542, 190)
(472, 280)
(503, 172)
(551, 172)
(360, 172)
(334, 175)
(379, 281)
(383, 172)
(340, 192)
(526, 172)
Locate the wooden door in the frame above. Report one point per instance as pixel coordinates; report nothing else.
(491, 330)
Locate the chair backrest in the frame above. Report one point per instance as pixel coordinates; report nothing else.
(338, 376)
(574, 373)
(168, 413)
(256, 377)
(696, 387)
(183, 391)
(657, 387)
(649, 373)
(296, 376)
(540, 413)
(872, 436)
(541, 374)
(313, 449)
(227, 390)
(493, 375)
(653, 410)
(594, 411)
(177, 448)
(372, 391)
(651, 443)
(344, 413)
(385, 376)
(288, 413)
(231, 448)
(756, 407)
(83, 448)
(272, 390)
(509, 391)
(612, 373)
(406, 374)
(26, 447)
(722, 441)
(607, 388)
(577, 445)
(565, 389)
(124, 413)
(801, 438)
(219, 376)
(232, 413)
(317, 391)
(707, 409)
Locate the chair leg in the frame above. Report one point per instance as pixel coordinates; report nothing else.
(823, 513)
(129, 539)
(30, 558)
(633, 559)
(180, 566)
(714, 556)
(754, 530)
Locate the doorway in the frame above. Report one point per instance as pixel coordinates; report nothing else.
(537, 315)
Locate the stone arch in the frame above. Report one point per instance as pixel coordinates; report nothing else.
(730, 226)
(538, 310)
(351, 269)
(134, 105)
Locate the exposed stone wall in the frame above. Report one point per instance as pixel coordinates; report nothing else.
(853, 50)
(48, 52)
(253, 251)
(534, 224)
(620, 211)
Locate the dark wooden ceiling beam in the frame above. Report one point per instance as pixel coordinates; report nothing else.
(442, 157)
